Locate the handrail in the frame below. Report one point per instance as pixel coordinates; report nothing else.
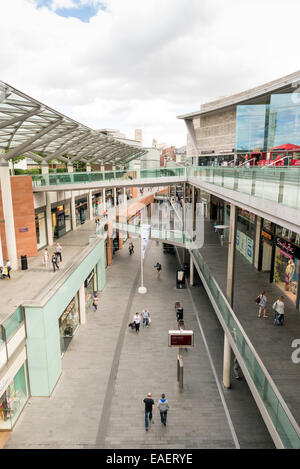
(280, 159)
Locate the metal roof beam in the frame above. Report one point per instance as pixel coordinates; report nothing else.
(64, 148)
(24, 146)
(23, 117)
(51, 139)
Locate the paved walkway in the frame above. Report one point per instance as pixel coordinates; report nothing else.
(108, 369)
(273, 344)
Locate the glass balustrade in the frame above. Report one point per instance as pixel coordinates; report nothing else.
(277, 184)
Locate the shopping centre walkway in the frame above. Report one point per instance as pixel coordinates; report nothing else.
(27, 284)
(108, 369)
(273, 344)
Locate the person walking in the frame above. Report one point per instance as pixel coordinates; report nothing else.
(278, 306)
(262, 304)
(8, 267)
(46, 257)
(54, 262)
(137, 321)
(95, 302)
(163, 407)
(58, 251)
(158, 269)
(131, 249)
(146, 317)
(149, 406)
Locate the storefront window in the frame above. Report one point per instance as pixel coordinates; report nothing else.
(246, 223)
(68, 217)
(89, 289)
(68, 323)
(13, 400)
(286, 272)
(81, 210)
(288, 235)
(41, 230)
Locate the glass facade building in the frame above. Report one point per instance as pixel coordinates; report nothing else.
(260, 127)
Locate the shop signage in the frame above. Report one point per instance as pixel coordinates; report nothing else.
(205, 152)
(67, 310)
(181, 339)
(289, 248)
(266, 235)
(22, 230)
(59, 208)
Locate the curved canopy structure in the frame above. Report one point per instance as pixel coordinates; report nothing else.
(30, 128)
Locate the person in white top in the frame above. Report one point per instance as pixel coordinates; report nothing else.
(137, 321)
(278, 306)
(46, 257)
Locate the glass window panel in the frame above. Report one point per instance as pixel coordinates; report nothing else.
(284, 121)
(250, 127)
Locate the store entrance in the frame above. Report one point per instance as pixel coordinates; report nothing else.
(68, 324)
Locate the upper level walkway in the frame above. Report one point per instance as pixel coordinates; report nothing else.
(272, 193)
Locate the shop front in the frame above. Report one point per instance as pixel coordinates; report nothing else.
(97, 204)
(13, 396)
(41, 228)
(68, 324)
(61, 219)
(286, 268)
(90, 287)
(266, 247)
(81, 211)
(245, 234)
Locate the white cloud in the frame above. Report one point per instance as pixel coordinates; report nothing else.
(140, 63)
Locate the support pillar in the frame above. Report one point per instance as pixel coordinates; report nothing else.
(91, 211)
(49, 219)
(115, 196)
(73, 211)
(192, 269)
(103, 199)
(226, 363)
(102, 167)
(82, 309)
(8, 215)
(229, 291)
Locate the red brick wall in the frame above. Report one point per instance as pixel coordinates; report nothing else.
(23, 207)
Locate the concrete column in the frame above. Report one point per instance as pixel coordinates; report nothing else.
(226, 362)
(231, 254)
(70, 168)
(88, 168)
(115, 196)
(8, 214)
(124, 195)
(102, 168)
(49, 219)
(91, 212)
(257, 241)
(229, 291)
(191, 271)
(73, 211)
(82, 304)
(103, 198)
(45, 168)
(183, 221)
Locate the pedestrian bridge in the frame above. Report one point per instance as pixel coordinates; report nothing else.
(277, 416)
(272, 193)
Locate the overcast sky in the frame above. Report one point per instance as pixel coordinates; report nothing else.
(137, 64)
